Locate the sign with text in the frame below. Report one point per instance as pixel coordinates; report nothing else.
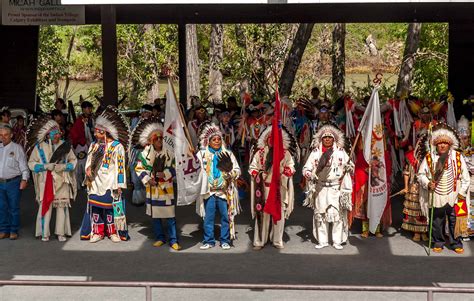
(41, 12)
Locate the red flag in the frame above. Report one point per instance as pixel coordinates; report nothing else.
(273, 203)
(48, 196)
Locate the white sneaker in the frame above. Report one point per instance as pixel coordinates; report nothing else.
(95, 238)
(225, 246)
(338, 246)
(45, 238)
(320, 245)
(61, 238)
(115, 238)
(206, 246)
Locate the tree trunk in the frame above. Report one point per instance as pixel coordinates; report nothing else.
(153, 91)
(406, 69)
(338, 59)
(293, 59)
(192, 63)
(241, 42)
(216, 52)
(68, 57)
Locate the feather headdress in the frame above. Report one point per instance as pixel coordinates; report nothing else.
(206, 131)
(38, 130)
(289, 141)
(425, 107)
(444, 133)
(114, 123)
(463, 127)
(332, 131)
(144, 130)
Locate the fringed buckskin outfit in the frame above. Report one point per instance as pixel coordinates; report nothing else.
(329, 187)
(106, 160)
(53, 167)
(261, 171)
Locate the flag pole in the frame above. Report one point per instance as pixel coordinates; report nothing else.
(431, 194)
(185, 126)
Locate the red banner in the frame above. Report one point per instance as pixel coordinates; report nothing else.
(273, 203)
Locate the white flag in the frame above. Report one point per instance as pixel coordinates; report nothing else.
(372, 133)
(188, 166)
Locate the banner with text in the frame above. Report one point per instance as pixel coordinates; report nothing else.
(41, 12)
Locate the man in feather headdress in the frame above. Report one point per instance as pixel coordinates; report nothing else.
(52, 162)
(105, 172)
(260, 170)
(330, 186)
(220, 172)
(444, 179)
(155, 168)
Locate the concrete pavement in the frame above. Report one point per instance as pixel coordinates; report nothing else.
(394, 260)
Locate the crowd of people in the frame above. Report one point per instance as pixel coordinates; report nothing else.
(427, 152)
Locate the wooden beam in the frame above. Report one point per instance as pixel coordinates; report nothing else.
(183, 93)
(109, 54)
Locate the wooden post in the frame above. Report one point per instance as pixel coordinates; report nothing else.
(183, 93)
(109, 54)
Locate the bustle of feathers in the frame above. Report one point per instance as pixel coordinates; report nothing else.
(142, 132)
(289, 141)
(444, 133)
(306, 105)
(38, 130)
(115, 124)
(206, 131)
(339, 137)
(60, 153)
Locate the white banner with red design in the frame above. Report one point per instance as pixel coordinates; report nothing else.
(372, 133)
(187, 165)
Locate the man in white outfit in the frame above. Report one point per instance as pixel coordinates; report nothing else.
(329, 186)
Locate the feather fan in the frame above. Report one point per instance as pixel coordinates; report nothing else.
(60, 153)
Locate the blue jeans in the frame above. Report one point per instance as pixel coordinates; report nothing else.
(10, 194)
(160, 233)
(210, 206)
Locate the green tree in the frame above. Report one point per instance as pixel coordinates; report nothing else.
(51, 65)
(430, 78)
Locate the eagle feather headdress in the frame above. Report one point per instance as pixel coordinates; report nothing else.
(331, 130)
(140, 136)
(444, 133)
(289, 141)
(463, 127)
(206, 131)
(38, 131)
(142, 132)
(114, 123)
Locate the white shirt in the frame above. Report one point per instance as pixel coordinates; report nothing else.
(13, 162)
(449, 196)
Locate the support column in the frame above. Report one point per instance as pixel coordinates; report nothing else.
(183, 93)
(109, 54)
(19, 62)
(461, 65)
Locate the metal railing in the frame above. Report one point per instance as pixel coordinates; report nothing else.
(429, 290)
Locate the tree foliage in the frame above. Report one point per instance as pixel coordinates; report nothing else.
(430, 79)
(253, 59)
